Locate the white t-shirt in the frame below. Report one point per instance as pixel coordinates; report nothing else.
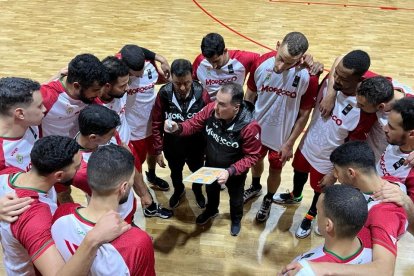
(279, 99)
(15, 152)
(140, 100)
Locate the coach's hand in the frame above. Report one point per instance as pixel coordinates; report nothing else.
(11, 207)
(170, 126)
(223, 176)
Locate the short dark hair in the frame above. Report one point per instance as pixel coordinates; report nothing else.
(108, 166)
(347, 208)
(115, 68)
(212, 44)
(405, 107)
(355, 153)
(376, 90)
(97, 119)
(16, 91)
(181, 67)
(297, 43)
(358, 61)
(86, 69)
(236, 91)
(133, 56)
(53, 153)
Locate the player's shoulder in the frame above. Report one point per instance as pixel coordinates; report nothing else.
(64, 210)
(266, 56)
(133, 238)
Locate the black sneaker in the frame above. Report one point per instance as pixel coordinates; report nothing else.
(158, 211)
(235, 228)
(250, 193)
(305, 228)
(287, 198)
(200, 199)
(161, 184)
(175, 198)
(205, 217)
(263, 213)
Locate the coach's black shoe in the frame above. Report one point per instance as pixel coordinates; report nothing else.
(175, 198)
(205, 217)
(200, 199)
(235, 228)
(159, 183)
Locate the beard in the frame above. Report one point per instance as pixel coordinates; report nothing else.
(83, 98)
(124, 198)
(67, 183)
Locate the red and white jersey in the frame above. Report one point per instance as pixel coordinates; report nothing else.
(131, 253)
(80, 181)
(141, 98)
(387, 222)
(234, 71)
(391, 164)
(119, 106)
(347, 122)
(29, 237)
(376, 137)
(279, 98)
(7, 186)
(62, 111)
(15, 152)
(362, 256)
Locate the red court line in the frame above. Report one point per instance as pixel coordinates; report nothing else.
(342, 5)
(230, 28)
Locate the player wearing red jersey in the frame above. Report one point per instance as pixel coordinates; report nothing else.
(27, 243)
(110, 176)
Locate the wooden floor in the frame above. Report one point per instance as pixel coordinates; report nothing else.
(39, 37)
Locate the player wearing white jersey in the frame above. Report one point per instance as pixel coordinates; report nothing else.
(354, 164)
(110, 176)
(114, 97)
(216, 65)
(285, 95)
(66, 97)
(377, 95)
(144, 74)
(342, 214)
(97, 126)
(27, 243)
(347, 122)
(21, 110)
(400, 134)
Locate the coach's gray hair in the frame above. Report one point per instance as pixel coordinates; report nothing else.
(297, 43)
(236, 91)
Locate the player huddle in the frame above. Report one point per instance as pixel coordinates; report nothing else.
(94, 124)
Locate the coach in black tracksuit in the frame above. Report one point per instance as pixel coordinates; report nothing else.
(178, 101)
(233, 143)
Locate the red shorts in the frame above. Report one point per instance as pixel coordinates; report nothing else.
(137, 161)
(273, 157)
(143, 147)
(302, 165)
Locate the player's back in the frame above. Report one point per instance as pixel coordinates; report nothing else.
(130, 254)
